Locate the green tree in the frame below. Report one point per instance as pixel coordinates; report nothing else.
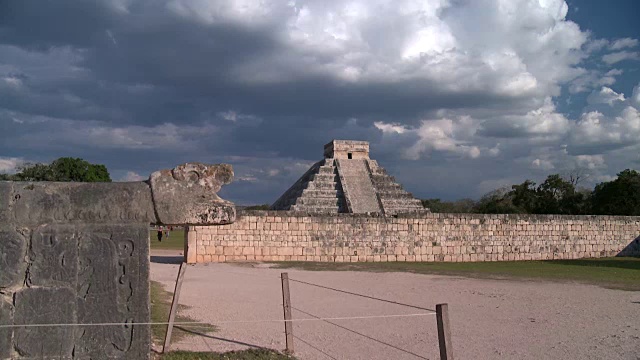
(618, 197)
(458, 206)
(499, 201)
(63, 169)
(524, 197)
(558, 196)
(258, 207)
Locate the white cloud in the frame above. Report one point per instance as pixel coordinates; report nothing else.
(624, 43)
(444, 135)
(133, 176)
(12, 81)
(594, 45)
(593, 79)
(514, 48)
(541, 122)
(590, 161)
(620, 56)
(594, 129)
(543, 164)
(9, 164)
(605, 96)
(390, 128)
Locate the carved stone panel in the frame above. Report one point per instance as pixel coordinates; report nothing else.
(112, 287)
(6, 318)
(44, 306)
(12, 253)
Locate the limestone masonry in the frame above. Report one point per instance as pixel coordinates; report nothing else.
(291, 236)
(346, 208)
(78, 253)
(347, 181)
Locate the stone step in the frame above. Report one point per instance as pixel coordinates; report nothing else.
(326, 170)
(391, 190)
(313, 193)
(383, 178)
(388, 187)
(320, 185)
(329, 178)
(395, 195)
(317, 210)
(319, 202)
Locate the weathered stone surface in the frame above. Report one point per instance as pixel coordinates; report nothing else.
(6, 318)
(52, 202)
(78, 253)
(5, 201)
(44, 306)
(53, 257)
(13, 246)
(187, 194)
(113, 287)
(434, 237)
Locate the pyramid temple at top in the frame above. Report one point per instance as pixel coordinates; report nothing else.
(347, 181)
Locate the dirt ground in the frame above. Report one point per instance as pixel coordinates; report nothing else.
(489, 318)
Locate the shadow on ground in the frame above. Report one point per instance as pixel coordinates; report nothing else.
(612, 263)
(167, 259)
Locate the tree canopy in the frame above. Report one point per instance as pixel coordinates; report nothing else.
(555, 195)
(63, 169)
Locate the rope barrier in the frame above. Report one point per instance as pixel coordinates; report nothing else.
(224, 321)
(314, 348)
(364, 296)
(363, 335)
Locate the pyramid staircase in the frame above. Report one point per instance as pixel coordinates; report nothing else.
(392, 196)
(348, 186)
(317, 191)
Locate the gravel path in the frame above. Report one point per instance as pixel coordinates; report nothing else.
(490, 318)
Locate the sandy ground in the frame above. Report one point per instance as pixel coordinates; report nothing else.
(490, 318)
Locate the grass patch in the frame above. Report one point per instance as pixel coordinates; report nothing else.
(160, 307)
(251, 354)
(175, 241)
(616, 272)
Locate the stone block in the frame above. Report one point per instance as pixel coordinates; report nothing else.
(187, 194)
(53, 202)
(6, 318)
(45, 306)
(6, 193)
(13, 247)
(53, 256)
(113, 287)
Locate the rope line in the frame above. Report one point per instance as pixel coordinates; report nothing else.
(363, 335)
(361, 295)
(224, 321)
(315, 348)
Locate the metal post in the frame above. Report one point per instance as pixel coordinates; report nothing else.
(444, 332)
(174, 307)
(286, 305)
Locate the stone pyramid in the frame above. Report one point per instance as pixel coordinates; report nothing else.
(347, 181)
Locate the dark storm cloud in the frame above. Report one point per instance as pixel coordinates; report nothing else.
(139, 86)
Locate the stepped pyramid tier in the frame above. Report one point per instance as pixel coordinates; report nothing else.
(347, 181)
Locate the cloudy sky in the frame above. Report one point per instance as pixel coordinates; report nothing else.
(456, 97)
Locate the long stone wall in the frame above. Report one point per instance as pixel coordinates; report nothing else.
(290, 236)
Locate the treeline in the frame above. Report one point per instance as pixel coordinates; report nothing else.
(62, 169)
(555, 195)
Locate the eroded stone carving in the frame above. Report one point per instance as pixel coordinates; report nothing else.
(78, 253)
(187, 194)
(12, 252)
(44, 306)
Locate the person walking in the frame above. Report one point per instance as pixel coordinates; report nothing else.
(160, 230)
